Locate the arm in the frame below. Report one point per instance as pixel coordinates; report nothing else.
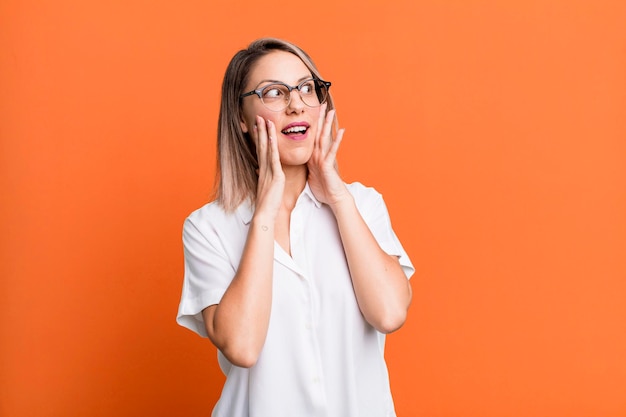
(382, 290)
(238, 325)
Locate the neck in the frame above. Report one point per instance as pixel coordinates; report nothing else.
(295, 180)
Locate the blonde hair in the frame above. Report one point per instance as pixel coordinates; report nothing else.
(236, 179)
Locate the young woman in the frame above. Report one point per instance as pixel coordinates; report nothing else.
(294, 275)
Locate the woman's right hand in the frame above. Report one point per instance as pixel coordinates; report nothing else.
(238, 324)
(271, 183)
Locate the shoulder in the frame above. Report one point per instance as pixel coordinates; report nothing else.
(363, 195)
(213, 218)
(205, 215)
(369, 201)
(206, 212)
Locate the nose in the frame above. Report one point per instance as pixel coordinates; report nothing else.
(296, 105)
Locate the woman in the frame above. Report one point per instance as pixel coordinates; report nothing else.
(294, 275)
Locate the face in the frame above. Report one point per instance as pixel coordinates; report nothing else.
(296, 125)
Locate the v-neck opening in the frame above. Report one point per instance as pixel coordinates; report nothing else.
(282, 257)
(287, 253)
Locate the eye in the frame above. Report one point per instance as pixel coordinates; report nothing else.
(273, 91)
(307, 87)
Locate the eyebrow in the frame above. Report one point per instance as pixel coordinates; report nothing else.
(306, 77)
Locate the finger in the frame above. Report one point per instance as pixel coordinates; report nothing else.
(254, 133)
(326, 138)
(273, 154)
(261, 143)
(332, 153)
(320, 125)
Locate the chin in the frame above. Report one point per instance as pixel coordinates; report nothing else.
(291, 160)
(296, 157)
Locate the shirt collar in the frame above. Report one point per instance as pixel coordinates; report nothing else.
(246, 209)
(307, 191)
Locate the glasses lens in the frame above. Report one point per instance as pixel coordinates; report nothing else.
(275, 96)
(313, 93)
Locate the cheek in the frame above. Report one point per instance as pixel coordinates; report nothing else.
(316, 117)
(249, 112)
(251, 115)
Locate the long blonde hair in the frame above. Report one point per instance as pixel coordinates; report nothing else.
(237, 176)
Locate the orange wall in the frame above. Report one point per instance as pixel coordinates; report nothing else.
(495, 130)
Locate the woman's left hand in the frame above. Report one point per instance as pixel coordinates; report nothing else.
(324, 180)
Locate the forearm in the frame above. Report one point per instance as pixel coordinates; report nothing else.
(238, 324)
(380, 285)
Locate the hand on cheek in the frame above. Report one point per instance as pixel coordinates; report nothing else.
(324, 180)
(271, 182)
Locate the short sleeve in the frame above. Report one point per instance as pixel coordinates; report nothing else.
(208, 273)
(374, 211)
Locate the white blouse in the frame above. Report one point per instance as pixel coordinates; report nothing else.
(320, 358)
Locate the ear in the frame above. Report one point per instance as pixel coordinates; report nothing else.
(244, 126)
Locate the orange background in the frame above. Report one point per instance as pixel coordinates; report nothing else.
(496, 131)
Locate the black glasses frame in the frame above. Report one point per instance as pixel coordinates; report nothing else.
(259, 91)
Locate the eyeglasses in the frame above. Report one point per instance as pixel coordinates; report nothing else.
(277, 96)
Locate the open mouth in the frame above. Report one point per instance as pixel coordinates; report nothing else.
(295, 129)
